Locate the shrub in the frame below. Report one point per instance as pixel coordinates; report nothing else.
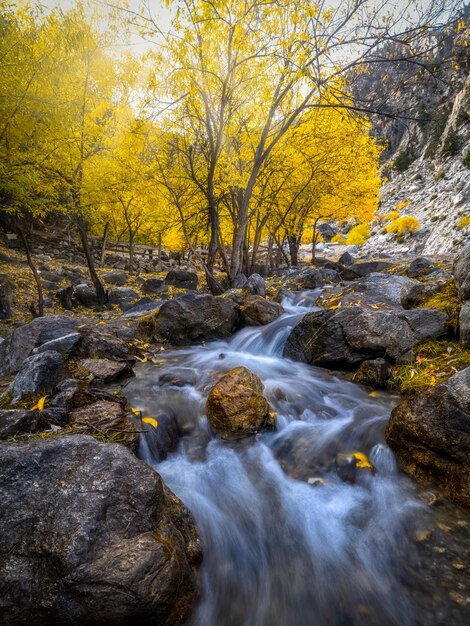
(402, 225)
(338, 239)
(393, 215)
(358, 235)
(403, 204)
(402, 162)
(451, 143)
(466, 159)
(464, 221)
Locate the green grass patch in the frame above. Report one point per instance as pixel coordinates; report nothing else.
(436, 361)
(446, 299)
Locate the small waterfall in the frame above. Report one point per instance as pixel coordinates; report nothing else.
(286, 541)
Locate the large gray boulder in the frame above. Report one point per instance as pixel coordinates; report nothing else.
(90, 534)
(40, 373)
(14, 422)
(20, 343)
(116, 277)
(257, 311)
(378, 288)
(430, 435)
(194, 318)
(255, 285)
(182, 279)
(346, 337)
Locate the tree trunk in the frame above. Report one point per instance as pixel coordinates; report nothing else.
(293, 242)
(314, 241)
(101, 294)
(131, 252)
(103, 244)
(39, 312)
(160, 252)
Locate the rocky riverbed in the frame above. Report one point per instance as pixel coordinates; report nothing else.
(224, 397)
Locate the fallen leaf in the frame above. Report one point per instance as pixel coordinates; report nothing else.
(135, 411)
(150, 420)
(373, 394)
(39, 406)
(362, 460)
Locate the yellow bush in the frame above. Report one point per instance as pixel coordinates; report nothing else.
(402, 205)
(464, 221)
(338, 239)
(402, 225)
(358, 235)
(389, 217)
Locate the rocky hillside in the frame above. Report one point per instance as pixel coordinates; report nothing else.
(426, 133)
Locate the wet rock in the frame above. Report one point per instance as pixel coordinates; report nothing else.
(430, 435)
(256, 311)
(329, 276)
(7, 291)
(66, 345)
(352, 467)
(117, 278)
(86, 296)
(255, 285)
(192, 319)
(182, 279)
(40, 373)
(153, 285)
(373, 373)
(378, 288)
(96, 345)
(105, 370)
(15, 422)
(163, 439)
(91, 534)
(414, 294)
(65, 297)
(123, 297)
(348, 336)
(236, 406)
(182, 377)
(20, 343)
(418, 267)
(106, 418)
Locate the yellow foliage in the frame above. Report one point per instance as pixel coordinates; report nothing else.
(389, 217)
(358, 235)
(338, 239)
(402, 225)
(403, 205)
(464, 222)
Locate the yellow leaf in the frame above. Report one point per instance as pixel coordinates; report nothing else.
(373, 394)
(150, 420)
(101, 323)
(144, 360)
(135, 411)
(362, 460)
(39, 406)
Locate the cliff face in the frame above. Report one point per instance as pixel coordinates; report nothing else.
(426, 133)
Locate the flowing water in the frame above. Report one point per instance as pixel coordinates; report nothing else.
(286, 542)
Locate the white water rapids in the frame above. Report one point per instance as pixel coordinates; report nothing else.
(279, 551)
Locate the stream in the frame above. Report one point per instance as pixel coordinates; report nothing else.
(286, 542)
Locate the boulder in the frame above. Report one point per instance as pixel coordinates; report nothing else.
(346, 259)
(90, 534)
(329, 276)
(347, 336)
(308, 278)
(105, 370)
(377, 288)
(7, 290)
(20, 343)
(65, 393)
(40, 373)
(106, 418)
(102, 345)
(142, 307)
(15, 422)
(464, 325)
(239, 281)
(418, 267)
(192, 319)
(256, 311)
(65, 296)
(373, 373)
(461, 271)
(117, 278)
(413, 294)
(430, 435)
(122, 297)
(66, 345)
(236, 406)
(255, 285)
(362, 269)
(327, 230)
(182, 279)
(51, 277)
(153, 285)
(86, 295)
(163, 439)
